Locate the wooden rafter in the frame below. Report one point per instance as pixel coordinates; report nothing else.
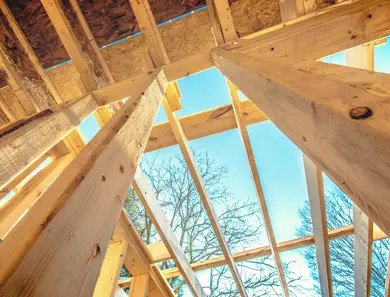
(221, 16)
(195, 174)
(257, 183)
(146, 195)
(315, 189)
(107, 165)
(149, 29)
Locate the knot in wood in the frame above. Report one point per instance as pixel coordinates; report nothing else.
(360, 113)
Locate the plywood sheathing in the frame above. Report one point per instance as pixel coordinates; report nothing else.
(35, 23)
(254, 15)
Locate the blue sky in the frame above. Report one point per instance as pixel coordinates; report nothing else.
(279, 161)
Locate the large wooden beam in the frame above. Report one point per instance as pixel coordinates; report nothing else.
(25, 143)
(315, 189)
(321, 108)
(195, 174)
(236, 103)
(220, 13)
(148, 27)
(146, 195)
(324, 34)
(75, 217)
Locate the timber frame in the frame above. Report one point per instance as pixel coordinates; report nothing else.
(70, 214)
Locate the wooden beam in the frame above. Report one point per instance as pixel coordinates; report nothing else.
(195, 174)
(257, 183)
(106, 285)
(252, 253)
(91, 43)
(139, 286)
(224, 18)
(148, 27)
(215, 25)
(71, 42)
(363, 238)
(27, 105)
(28, 142)
(324, 121)
(139, 260)
(362, 57)
(22, 201)
(76, 216)
(315, 189)
(30, 52)
(313, 38)
(157, 216)
(288, 10)
(205, 123)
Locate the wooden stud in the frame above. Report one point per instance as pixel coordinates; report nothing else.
(338, 97)
(315, 189)
(224, 18)
(195, 174)
(138, 261)
(71, 221)
(139, 286)
(157, 216)
(257, 183)
(149, 29)
(362, 57)
(106, 285)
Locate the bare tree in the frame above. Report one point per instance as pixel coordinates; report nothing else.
(339, 214)
(240, 219)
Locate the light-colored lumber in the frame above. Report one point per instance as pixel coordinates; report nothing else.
(158, 252)
(224, 16)
(253, 253)
(288, 10)
(160, 222)
(150, 33)
(362, 57)
(139, 259)
(323, 119)
(27, 103)
(28, 143)
(21, 176)
(30, 52)
(315, 189)
(363, 238)
(139, 286)
(215, 25)
(76, 216)
(71, 43)
(91, 40)
(205, 123)
(257, 183)
(106, 285)
(195, 174)
(14, 208)
(314, 38)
